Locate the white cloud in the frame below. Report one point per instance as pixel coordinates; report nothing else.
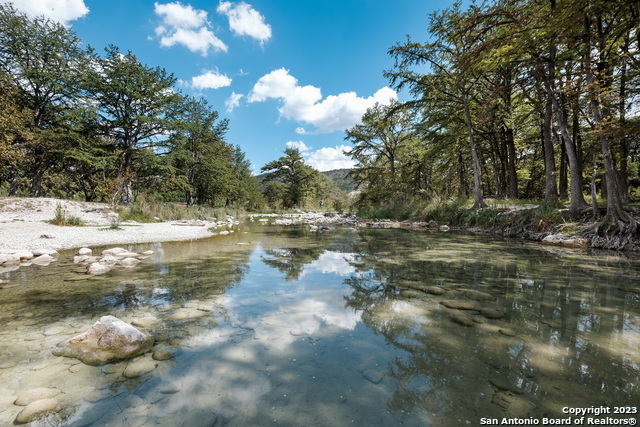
(182, 24)
(305, 103)
(330, 158)
(210, 80)
(233, 101)
(301, 146)
(180, 16)
(244, 20)
(57, 10)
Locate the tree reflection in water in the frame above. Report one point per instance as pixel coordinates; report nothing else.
(568, 336)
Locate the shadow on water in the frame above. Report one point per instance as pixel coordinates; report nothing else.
(380, 327)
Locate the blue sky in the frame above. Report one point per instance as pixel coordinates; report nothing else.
(284, 72)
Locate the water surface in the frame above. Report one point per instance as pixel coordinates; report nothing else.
(282, 326)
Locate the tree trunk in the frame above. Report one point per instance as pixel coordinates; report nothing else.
(126, 197)
(13, 181)
(599, 103)
(512, 189)
(564, 174)
(577, 202)
(36, 182)
(550, 185)
(478, 194)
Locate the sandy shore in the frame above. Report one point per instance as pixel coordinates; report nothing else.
(23, 226)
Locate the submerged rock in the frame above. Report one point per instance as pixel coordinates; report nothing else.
(493, 312)
(108, 340)
(462, 304)
(372, 376)
(463, 319)
(139, 367)
(36, 409)
(36, 394)
(435, 290)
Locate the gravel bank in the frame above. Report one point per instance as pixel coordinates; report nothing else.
(23, 226)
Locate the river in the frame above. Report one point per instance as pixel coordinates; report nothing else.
(289, 327)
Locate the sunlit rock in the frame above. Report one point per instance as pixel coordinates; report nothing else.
(126, 255)
(109, 260)
(9, 259)
(98, 268)
(43, 260)
(79, 259)
(129, 262)
(85, 251)
(108, 340)
(51, 252)
(37, 409)
(114, 251)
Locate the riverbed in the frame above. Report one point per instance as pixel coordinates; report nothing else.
(286, 326)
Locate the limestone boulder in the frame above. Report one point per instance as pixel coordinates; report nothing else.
(129, 262)
(85, 251)
(42, 251)
(114, 251)
(98, 268)
(43, 260)
(108, 340)
(9, 259)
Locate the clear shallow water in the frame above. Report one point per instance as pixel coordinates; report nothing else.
(287, 327)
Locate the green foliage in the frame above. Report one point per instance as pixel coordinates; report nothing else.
(290, 183)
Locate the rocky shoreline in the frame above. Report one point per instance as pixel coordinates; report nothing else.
(323, 221)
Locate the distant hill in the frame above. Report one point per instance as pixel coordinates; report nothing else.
(339, 176)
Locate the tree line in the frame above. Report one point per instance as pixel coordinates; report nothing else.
(106, 127)
(534, 99)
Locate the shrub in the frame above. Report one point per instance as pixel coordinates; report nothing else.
(61, 218)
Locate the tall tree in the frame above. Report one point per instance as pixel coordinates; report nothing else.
(377, 146)
(136, 104)
(291, 170)
(43, 58)
(449, 58)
